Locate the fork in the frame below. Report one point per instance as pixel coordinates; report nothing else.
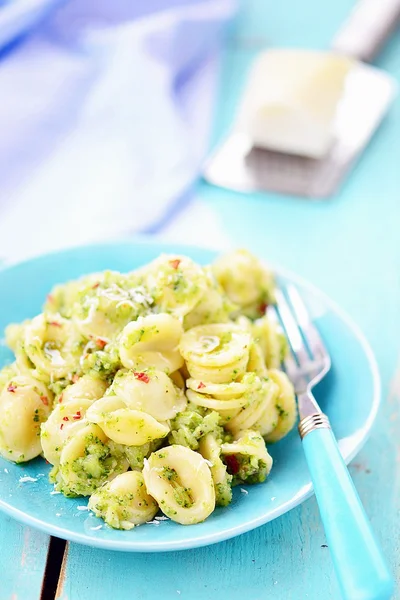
(358, 561)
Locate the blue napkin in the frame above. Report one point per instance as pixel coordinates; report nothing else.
(104, 115)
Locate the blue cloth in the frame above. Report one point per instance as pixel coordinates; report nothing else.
(104, 113)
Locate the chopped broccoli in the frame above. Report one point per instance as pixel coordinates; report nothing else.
(247, 458)
(103, 363)
(136, 454)
(192, 424)
(223, 491)
(82, 476)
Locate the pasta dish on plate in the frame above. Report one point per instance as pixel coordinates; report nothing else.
(158, 389)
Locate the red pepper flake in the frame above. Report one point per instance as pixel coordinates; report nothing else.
(75, 378)
(77, 416)
(175, 263)
(45, 400)
(55, 324)
(142, 377)
(65, 419)
(62, 425)
(96, 285)
(61, 398)
(11, 388)
(201, 385)
(101, 343)
(263, 307)
(50, 298)
(232, 464)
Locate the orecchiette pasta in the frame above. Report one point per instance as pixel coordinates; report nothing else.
(246, 281)
(228, 399)
(86, 387)
(87, 461)
(176, 283)
(124, 501)
(65, 421)
(106, 304)
(50, 345)
(219, 391)
(268, 335)
(152, 341)
(269, 346)
(216, 353)
(25, 366)
(285, 404)
(14, 335)
(24, 404)
(213, 307)
(247, 458)
(181, 482)
(124, 425)
(214, 404)
(260, 407)
(178, 379)
(256, 362)
(210, 449)
(152, 392)
(63, 298)
(154, 389)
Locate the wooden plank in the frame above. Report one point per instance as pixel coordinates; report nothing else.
(250, 566)
(23, 553)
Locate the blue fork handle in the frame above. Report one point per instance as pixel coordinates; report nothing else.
(359, 564)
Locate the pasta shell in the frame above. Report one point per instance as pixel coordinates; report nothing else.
(181, 482)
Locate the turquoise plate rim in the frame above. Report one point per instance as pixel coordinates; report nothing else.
(305, 492)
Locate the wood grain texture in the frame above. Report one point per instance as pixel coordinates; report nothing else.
(23, 553)
(254, 566)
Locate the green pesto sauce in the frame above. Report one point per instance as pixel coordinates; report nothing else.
(103, 363)
(251, 470)
(223, 491)
(283, 414)
(190, 426)
(91, 470)
(182, 495)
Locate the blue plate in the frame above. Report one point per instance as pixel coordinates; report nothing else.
(349, 395)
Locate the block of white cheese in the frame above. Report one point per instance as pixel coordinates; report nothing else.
(291, 98)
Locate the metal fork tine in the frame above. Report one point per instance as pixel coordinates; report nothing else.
(309, 330)
(292, 329)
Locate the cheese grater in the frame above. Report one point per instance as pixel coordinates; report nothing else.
(239, 166)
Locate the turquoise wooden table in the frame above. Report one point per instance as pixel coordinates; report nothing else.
(350, 248)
